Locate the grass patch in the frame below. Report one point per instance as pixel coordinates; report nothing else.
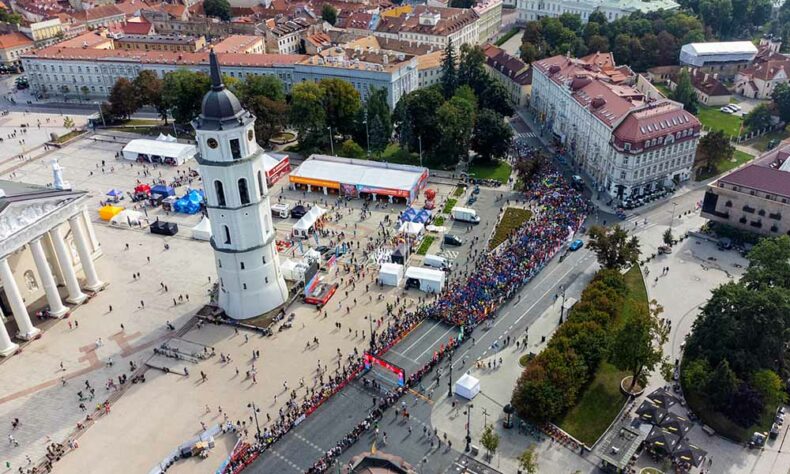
(68, 136)
(449, 205)
(498, 170)
(602, 400)
(506, 37)
(459, 191)
(738, 158)
(715, 119)
(663, 89)
(723, 425)
(395, 154)
(761, 143)
(425, 245)
(524, 360)
(512, 219)
(438, 221)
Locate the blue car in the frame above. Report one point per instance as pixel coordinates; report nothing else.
(576, 245)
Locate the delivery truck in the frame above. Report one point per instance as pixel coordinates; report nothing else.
(465, 214)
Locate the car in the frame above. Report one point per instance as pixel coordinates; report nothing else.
(576, 245)
(726, 109)
(454, 240)
(322, 249)
(577, 182)
(298, 212)
(734, 107)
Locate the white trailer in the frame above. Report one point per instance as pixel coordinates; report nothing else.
(465, 214)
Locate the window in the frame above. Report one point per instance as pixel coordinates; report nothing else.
(220, 192)
(260, 183)
(244, 194)
(241, 264)
(219, 263)
(235, 148)
(227, 233)
(244, 286)
(263, 259)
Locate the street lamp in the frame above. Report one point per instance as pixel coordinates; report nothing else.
(367, 133)
(450, 378)
(672, 222)
(331, 141)
(372, 338)
(468, 428)
(255, 411)
(562, 308)
(419, 139)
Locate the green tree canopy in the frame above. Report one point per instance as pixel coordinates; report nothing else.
(684, 92)
(781, 97)
(416, 120)
(637, 346)
(769, 264)
(449, 70)
(492, 135)
(351, 149)
(329, 14)
(758, 119)
(271, 117)
(123, 99)
(182, 93)
(713, 148)
(613, 247)
(770, 386)
(218, 9)
(148, 88)
(341, 103)
(308, 115)
(489, 440)
(265, 85)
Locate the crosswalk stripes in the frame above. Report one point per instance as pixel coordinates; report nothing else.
(449, 254)
(528, 135)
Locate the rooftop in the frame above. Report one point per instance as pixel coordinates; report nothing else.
(511, 66)
(620, 444)
(450, 20)
(89, 39)
(366, 173)
(766, 174)
(170, 39)
(98, 13)
(237, 43)
(721, 47)
(14, 40)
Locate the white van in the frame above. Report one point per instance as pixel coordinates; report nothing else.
(436, 261)
(281, 210)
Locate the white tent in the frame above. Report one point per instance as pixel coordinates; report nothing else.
(411, 228)
(166, 138)
(313, 255)
(293, 270)
(429, 280)
(304, 227)
(155, 151)
(391, 274)
(467, 387)
(202, 231)
(127, 217)
(433, 228)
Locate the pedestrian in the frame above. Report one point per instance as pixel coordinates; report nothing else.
(123, 328)
(110, 311)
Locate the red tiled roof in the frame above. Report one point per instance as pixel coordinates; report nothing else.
(14, 40)
(657, 120)
(760, 178)
(511, 66)
(97, 13)
(451, 20)
(137, 28)
(767, 70)
(89, 39)
(236, 43)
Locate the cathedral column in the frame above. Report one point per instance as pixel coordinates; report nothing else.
(56, 308)
(26, 329)
(7, 347)
(76, 296)
(93, 282)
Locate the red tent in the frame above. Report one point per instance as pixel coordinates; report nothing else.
(143, 188)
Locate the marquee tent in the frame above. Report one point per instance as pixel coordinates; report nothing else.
(202, 231)
(427, 279)
(127, 217)
(423, 216)
(411, 228)
(408, 215)
(166, 138)
(391, 274)
(163, 190)
(305, 226)
(293, 270)
(467, 387)
(155, 151)
(108, 212)
(189, 203)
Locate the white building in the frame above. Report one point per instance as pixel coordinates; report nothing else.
(432, 25)
(626, 142)
(237, 197)
(530, 10)
(46, 241)
(723, 58)
(490, 14)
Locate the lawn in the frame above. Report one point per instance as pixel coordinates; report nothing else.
(395, 154)
(761, 143)
(715, 119)
(506, 37)
(738, 158)
(602, 399)
(499, 171)
(512, 219)
(448, 207)
(68, 136)
(425, 245)
(663, 89)
(459, 191)
(438, 221)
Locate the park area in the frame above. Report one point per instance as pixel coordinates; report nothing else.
(498, 170)
(714, 119)
(512, 219)
(738, 158)
(602, 400)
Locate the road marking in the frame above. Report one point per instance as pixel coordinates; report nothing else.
(420, 396)
(286, 460)
(419, 338)
(401, 356)
(309, 443)
(441, 338)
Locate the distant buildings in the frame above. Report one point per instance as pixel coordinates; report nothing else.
(629, 140)
(722, 58)
(489, 13)
(432, 26)
(709, 90)
(12, 47)
(530, 10)
(755, 197)
(184, 43)
(513, 73)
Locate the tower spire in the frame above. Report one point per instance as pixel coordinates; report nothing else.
(216, 74)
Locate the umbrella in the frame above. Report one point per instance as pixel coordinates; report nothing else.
(662, 440)
(686, 452)
(676, 424)
(114, 192)
(662, 398)
(651, 413)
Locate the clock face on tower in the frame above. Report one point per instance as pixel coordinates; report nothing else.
(212, 143)
(249, 135)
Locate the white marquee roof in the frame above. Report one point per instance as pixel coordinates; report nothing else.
(721, 47)
(359, 172)
(161, 148)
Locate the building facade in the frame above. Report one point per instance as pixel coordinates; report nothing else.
(513, 73)
(432, 26)
(237, 199)
(628, 143)
(756, 197)
(189, 44)
(723, 58)
(12, 47)
(531, 10)
(43, 33)
(489, 13)
(46, 241)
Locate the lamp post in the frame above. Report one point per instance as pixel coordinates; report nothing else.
(419, 139)
(255, 411)
(468, 428)
(672, 222)
(450, 378)
(101, 114)
(562, 308)
(367, 134)
(331, 141)
(372, 337)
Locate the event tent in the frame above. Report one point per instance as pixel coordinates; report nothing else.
(686, 452)
(108, 212)
(166, 138)
(155, 151)
(411, 228)
(202, 231)
(163, 190)
(391, 274)
(312, 254)
(127, 217)
(429, 280)
(190, 202)
(293, 270)
(164, 228)
(467, 387)
(304, 227)
(408, 215)
(423, 216)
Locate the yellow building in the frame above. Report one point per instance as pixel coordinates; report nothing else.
(177, 43)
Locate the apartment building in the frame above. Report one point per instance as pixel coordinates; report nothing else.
(432, 26)
(182, 43)
(489, 13)
(530, 10)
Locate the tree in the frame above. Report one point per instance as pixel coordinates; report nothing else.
(449, 72)
(713, 148)
(218, 8)
(416, 120)
(123, 99)
(746, 405)
(528, 460)
(758, 119)
(456, 119)
(684, 92)
(781, 97)
(770, 386)
(496, 98)
(182, 93)
(492, 136)
(265, 85)
(526, 169)
(769, 264)
(378, 132)
(471, 69)
(68, 122)
(668, 238)
(308, 115)
(351, 149)
(341, 103)
(490, 440)
(529, 52)
(271, 117)
(637, 346)
(613, 247)
(10, 17)
(695, 375)
(148, 88)
(329, 14)
(597, 44)
(722, 385)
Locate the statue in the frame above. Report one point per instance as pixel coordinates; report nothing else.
(57, 176)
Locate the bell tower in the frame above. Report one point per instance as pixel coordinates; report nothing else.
(237, 199)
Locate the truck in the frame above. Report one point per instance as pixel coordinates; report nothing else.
(281, 210)
(465, 214)
(436, 261)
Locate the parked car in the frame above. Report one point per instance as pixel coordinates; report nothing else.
(454, 240)
(576, 245)
(735, 107)
(298, 212)
(726, 109)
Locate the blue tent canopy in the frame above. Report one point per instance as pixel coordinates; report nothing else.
(422, 216)
(115, 192)
(163, 190)
(408, 215)
(190, 202)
